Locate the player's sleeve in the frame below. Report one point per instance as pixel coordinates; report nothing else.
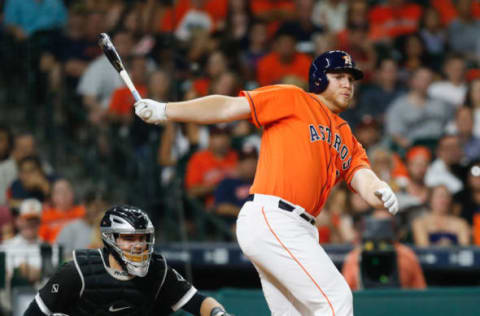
(271, 103)
(175, 291)
(58, 295)
(358, 160)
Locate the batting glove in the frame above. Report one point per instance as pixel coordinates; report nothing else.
(151, 111)
(389, 199)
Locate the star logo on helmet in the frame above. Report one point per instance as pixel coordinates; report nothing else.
(348, 60)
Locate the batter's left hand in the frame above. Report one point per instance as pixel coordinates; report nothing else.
(389, 199)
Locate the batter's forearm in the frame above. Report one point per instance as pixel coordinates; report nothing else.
(366, 183)
(208, 110)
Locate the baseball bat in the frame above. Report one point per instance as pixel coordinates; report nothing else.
(111, 53)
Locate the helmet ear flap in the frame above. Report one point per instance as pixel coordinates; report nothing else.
(318, 80)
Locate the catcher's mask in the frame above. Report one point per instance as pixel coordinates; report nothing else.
(331, 61)
(128, 221)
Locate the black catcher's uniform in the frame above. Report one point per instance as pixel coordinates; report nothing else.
(86, 286)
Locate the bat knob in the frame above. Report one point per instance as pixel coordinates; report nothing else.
(103, 39)
(147, 114)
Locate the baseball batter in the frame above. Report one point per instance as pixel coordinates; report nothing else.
(306, 149)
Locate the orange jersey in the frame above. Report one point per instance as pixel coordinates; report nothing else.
(305, 150)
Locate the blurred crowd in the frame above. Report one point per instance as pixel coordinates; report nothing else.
(417, 112)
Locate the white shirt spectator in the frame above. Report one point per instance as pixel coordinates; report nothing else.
(438, 174)
(8, 173)
(476, 122)
(448, 92)
(330, 14)
(100, 79)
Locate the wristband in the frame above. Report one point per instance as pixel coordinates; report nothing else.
(217, 311)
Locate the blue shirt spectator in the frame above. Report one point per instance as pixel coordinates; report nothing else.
(35, 15)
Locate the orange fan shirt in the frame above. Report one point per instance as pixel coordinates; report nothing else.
(271, 70)
(122, 100)
(216, 9)
(206, 169)
(305, 150)
(390, 22)
(54, 220)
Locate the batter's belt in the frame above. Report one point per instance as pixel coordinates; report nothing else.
(283, 205)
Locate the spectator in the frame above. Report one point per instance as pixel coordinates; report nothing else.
(100, 79)
(24, 145)
(415, 193)
(257, 48)
(302, 26)
(217, 64)
(232, 192)
(449, 12)
(413, 56)
(410, 274)
(374, 100)
(438, 227)
(472, 100)
(7, 163)
(434, 35)
(208, 167)
(23, 252)
(32, 182)
(188, 16)
(283, 60)
(75, 47)
(273, 11)
(414, 117)
(394, 18)
(452, 90)
(61, 211)
(79, 233)
(359, 208)
(466, 203)
(463, 32)
(368, 132)
(385, 165)
(121, 103)
(464, 126)
(360, 47)
(443, 170)
(23, 18)
(331, 15)
(335, 225)
(237, 25)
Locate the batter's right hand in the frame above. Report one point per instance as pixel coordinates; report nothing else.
(388, 198)
(151, 111)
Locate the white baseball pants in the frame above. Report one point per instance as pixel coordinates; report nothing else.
(297, 276)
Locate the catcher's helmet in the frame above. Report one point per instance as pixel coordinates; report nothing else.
(127, 219)
(331, 61)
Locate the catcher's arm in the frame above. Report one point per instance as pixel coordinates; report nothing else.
(210, 307)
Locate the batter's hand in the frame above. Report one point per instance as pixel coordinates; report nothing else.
(151, 111)
(389, 199)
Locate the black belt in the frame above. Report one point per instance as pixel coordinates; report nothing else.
(288, 207)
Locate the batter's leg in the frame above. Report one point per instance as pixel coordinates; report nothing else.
(286, 247)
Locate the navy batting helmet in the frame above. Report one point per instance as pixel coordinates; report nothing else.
(331, 61)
